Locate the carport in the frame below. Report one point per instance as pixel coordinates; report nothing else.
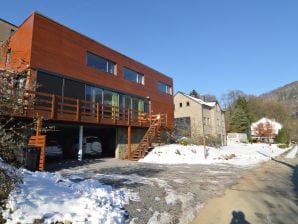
(69, 135)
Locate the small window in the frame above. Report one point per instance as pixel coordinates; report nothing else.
(133, 76)
(180, 104)
(101, 63)
(11, 31)
(164, 88)
(187, 103)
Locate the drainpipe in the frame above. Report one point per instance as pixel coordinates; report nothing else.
(80, 152)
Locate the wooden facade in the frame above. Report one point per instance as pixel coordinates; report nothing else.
(42, 44)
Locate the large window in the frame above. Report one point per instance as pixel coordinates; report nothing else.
(110, 98)
(133, 76)
(74, 89)
(100, 63)
(164, 88)
(93, 94)
(51, 84)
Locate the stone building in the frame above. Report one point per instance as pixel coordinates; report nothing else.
(199, 120)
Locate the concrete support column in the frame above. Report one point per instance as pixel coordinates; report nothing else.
(80, 152)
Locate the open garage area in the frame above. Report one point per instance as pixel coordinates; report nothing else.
(98, 141)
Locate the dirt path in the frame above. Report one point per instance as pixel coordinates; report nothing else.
(266, 194)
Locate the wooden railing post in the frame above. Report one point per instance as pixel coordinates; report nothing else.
(114, 114)
(129, 117)
(78, 110)
(97, 113)
(53, 109)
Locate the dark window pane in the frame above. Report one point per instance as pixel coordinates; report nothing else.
(133, 76)
(93, 94)
(100, 63)
(49, 84)
(111, 67)
(110, 98)
(74, 89)
(164, 88)
(146, 106)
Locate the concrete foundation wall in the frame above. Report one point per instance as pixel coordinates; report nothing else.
(121, 140)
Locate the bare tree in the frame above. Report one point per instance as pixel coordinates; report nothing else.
(264, 130)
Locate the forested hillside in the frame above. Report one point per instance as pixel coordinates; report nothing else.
(287, 94)
(280, 104)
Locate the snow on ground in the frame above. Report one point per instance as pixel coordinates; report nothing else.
(51, 197)
(237, 154)
(292, 153)
(82, 198)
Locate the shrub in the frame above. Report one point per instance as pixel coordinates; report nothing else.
(183, 142)
(283, 146)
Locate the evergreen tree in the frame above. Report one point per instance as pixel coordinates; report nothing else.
(241, 102)
(239, 122)
(194, 93)
(282, 137)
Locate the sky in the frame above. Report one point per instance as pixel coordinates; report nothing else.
(212, 46)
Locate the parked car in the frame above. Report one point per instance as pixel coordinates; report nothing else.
(91, 146)
(53, 149)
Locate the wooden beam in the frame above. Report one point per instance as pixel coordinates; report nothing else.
(129, 142)
(97, 113)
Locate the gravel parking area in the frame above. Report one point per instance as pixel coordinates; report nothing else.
(158, 193)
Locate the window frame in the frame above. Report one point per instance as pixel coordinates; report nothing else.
(167, 90)
(110, 66)
(139, 76)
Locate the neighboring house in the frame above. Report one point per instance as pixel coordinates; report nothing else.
(87, 89)
(195, 119)
(6, 30)
(265, 129)
(236, 138)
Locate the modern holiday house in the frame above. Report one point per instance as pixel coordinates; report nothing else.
(83, 88)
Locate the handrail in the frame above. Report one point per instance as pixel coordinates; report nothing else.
(57, 107)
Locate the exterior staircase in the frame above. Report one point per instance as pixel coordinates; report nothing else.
(157, 123)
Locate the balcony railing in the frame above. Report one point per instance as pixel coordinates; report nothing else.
(60, 108)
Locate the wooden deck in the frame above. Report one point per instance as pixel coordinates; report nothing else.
(59, 108)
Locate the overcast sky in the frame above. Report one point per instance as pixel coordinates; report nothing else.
(212, 46)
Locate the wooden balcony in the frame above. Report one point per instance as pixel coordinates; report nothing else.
(59, 108)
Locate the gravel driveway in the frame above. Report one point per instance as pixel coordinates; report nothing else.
(158, 193)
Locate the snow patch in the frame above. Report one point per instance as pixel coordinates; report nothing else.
(237, 154)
